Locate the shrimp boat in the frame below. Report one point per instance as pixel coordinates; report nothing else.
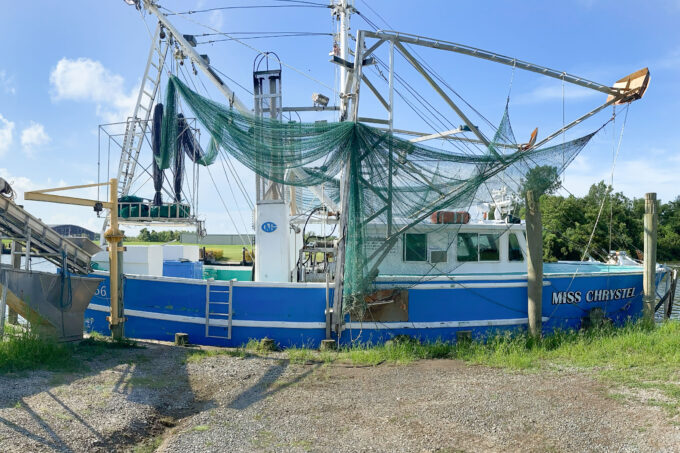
(363, 230)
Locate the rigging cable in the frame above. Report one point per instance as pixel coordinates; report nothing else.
(611, 188)
(293, 4)
(255, 49)
(230, 188)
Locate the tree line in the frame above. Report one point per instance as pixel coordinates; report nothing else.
(158, 236)
(568, 223)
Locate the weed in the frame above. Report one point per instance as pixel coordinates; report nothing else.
(262, 346)
(636, 355)
(201, 428)
(148, 445)
(201, 354)
(27, 351)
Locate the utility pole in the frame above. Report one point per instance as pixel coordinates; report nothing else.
(651, 222)
(534, 264)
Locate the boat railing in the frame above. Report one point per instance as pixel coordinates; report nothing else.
(147, 211)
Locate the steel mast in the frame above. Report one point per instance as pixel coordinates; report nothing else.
(343, 9)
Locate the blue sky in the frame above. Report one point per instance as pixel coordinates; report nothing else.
(69, 66)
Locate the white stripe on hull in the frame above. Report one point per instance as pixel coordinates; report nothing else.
(318, 325)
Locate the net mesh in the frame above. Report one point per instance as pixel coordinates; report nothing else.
(394, 184)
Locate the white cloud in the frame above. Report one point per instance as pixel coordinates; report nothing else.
(545, 93)
(33, 137)
(632, 177)
(52, 213)
(6, 134)
(7, 83)
(216, 20)
(88, 80)
(669, 61)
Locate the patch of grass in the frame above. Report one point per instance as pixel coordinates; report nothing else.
(636, 355)
(202, 354)
(200, 428)
(148, 445)
(24, 350)
(303, 444)
(263, 439)
(262, 346)
(302, 355)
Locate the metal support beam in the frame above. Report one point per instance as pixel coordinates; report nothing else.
(436, 135)
(390, 155)
(338, 316)
(196, 58)
(497, 58)
(375, 91)
(318, 108)
(371, 49)
(572, 124)
(363, 119)
(411, 59)
(113, 236)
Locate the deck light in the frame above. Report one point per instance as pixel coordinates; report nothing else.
(320, 99)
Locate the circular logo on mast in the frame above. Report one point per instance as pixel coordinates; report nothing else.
(268, 227)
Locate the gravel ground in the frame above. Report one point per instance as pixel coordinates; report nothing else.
(224, 403)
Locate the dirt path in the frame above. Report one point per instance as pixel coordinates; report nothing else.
(224, 403)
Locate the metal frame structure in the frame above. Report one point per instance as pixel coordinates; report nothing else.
(136, 127)
(624, 92)
(351, 79)
(113, 236)
(109, 138)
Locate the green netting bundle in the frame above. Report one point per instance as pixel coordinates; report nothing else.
(393, 183)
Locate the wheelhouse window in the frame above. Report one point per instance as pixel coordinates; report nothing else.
(488, 247)
(514, 250)
(477, 247)
(466, 249)
(415, 247)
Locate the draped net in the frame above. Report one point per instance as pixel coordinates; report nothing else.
(423, 179)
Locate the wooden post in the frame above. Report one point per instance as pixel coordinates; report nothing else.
(649, 276)
(15, 251)
(534, 264)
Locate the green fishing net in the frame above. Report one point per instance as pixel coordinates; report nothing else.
(393, 183)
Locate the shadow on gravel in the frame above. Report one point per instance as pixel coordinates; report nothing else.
(152, 377)
(268, 385)
(49, 439)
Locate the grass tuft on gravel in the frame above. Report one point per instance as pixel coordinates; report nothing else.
(636, 355)
(23, 350)
(200, 354)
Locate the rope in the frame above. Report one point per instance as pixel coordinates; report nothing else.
(592, 234)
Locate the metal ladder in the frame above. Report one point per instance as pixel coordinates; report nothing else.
(136, 127)
(214, 300)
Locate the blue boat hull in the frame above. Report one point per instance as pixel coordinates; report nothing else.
(293, 313)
